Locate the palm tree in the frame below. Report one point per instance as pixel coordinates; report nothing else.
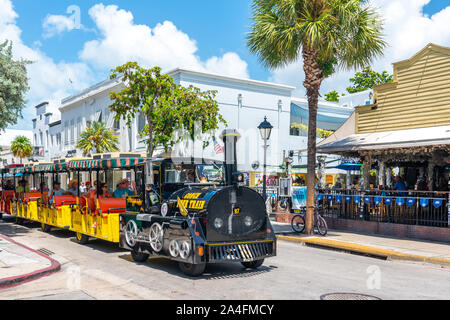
(327, 34)
(97, 137)
(21, 147)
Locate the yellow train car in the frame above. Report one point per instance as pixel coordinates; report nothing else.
(87, 215)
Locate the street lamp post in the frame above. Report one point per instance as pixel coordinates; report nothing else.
(265, 128)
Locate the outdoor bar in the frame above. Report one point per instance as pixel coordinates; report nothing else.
(402, 141)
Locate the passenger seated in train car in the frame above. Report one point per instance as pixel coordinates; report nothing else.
(43, 187)
(123, 189)
(22, 188)
(103, 192)
(9, 186)
(57, 190)
(73, 187)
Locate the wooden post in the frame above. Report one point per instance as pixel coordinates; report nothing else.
(430, 175)
(366, 174)
(388, 177)
(381, 174)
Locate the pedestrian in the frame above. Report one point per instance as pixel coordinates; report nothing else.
(443, 184)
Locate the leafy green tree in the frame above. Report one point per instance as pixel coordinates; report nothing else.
(167, 106)
(21, 147)
(332, 96)
(98, 138)
(367, 79)
(13, 86)
(326, 34)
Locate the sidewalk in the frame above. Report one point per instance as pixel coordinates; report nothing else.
(370, 244)
(20, 264)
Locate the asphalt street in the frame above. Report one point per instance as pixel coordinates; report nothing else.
(101, 270)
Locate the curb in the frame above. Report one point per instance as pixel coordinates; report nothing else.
(363, 249)
(14, 281)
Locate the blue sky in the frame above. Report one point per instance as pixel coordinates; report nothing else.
(208, 35)
(217, 26)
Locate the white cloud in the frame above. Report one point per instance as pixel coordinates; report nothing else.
(407, 30)
(164, 45)
(57, 24)
(48, 80)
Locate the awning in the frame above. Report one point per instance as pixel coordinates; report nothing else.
(411, 138)
(348, 166)
(122, 163)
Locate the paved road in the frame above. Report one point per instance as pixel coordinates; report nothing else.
(101, 270)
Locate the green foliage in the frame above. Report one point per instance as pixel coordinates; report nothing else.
(322, 133)
(167, 106)
(21, 147)
(13, 86)
(367, 79)
(332, 96)
(344, 33)
(97, 137)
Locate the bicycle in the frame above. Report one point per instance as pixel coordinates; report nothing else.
(298, 222)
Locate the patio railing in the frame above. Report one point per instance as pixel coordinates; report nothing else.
(403, 207)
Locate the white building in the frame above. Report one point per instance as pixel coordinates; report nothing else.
(6, 139)
(243, 103)
(356, 99)
(46, 134)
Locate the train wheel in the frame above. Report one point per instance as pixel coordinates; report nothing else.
(192, 270)
(131, 233)
(253, 264)
(139, 256)
(82, 238)
(45, 227)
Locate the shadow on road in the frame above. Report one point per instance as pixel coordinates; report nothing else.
(101, 245)
(214, 271)
(10, 228)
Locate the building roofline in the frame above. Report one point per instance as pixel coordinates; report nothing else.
(41, 104)
(428, 47)
(54, 123)
(88, 92)
(230, 78)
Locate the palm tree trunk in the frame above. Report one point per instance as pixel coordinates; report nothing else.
(313, 80)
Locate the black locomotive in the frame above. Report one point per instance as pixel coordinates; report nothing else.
(198, 212)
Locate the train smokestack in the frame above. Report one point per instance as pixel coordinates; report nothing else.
(230, 138)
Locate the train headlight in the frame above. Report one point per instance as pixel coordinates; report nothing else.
(164, 209)
(248, 221)
(218, 223)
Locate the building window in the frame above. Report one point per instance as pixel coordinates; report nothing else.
(78, 128)
(141, 122)
(35, 139)
(116, 125)
(58, 139)
(46, 137)
(41, 138)
(66, 133)
(72, 131)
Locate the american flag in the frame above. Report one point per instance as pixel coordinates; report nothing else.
(217, 148)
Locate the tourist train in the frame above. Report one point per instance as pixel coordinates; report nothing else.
(193, 211)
